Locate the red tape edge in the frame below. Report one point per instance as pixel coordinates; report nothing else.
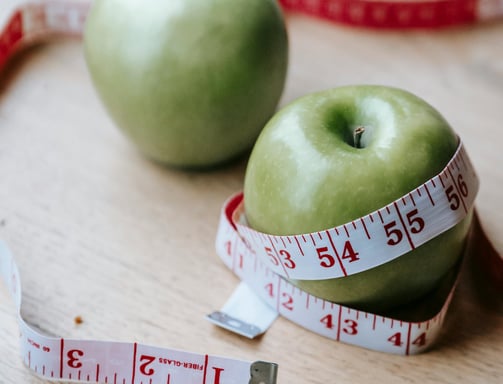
(391, 14)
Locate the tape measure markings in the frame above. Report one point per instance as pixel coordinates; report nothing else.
(93, 360)
(325, 318)
(376, 238)
(40, 19)
(399, 14)
(33, 21)
(121, 362)
(70, 359)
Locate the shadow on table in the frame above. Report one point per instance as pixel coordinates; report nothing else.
(477, 307)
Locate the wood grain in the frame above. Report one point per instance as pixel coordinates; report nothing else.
(102, 233)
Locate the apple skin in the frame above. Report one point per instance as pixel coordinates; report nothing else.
(305, 175)
(191, 82)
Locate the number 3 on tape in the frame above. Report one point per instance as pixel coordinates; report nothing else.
(264, 261)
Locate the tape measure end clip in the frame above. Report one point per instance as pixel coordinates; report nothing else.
(234, 325)
(263, 372)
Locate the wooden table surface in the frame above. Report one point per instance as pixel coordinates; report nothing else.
(102, 233)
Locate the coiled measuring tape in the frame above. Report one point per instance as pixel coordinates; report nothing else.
(400, 13)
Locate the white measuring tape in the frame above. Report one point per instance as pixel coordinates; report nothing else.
(260, 261)
(263, 261)
(375, 239)
(93, 360)
(112, 362)
(38, 20)
(400, 13)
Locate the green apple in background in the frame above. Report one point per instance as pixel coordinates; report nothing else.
(313, 167)
(191, 82)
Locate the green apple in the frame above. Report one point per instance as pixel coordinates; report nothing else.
(334, 156)
(190, 82)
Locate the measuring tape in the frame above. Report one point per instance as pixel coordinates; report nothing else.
(375, 239)
(38, 20)
(258, 260)
(93, 360)
(263, 261)
(119, 362)
(399, 13)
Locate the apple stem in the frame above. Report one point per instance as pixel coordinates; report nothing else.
(357, 136)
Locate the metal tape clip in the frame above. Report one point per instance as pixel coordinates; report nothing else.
(262, 372)
(235, 325)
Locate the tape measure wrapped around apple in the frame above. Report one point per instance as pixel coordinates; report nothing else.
(330, 159)
(361, 196)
